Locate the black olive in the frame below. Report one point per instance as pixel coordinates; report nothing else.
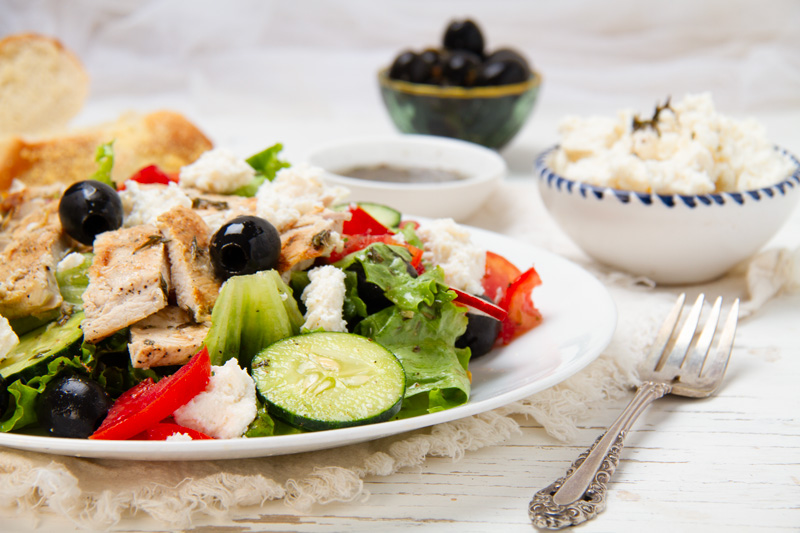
(245, 245)
(72, 406)
(464, 35)
(481, 333)
(460, 68)
(3, 396)
(427, 68)
(501, 72)
(89, 208)
(401, 67)
(507, 54)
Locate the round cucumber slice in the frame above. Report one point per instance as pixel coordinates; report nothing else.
(328, 380)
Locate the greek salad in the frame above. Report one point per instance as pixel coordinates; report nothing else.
(237, 298)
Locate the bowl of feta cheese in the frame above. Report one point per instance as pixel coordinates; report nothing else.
(678, 197)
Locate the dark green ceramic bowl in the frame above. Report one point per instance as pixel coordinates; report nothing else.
(490, 116)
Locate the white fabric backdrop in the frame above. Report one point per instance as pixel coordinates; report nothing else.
(303, 72)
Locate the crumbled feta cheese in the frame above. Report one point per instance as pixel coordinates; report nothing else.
(324, 299)
(694, 150)
(296, 191)
(449, 246)
(144, 204)
(227, 406)
(8, 339)
(218, 170)
(70, 261)
(180, 437)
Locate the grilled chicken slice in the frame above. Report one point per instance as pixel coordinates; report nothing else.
(28, 263)
(192, 275)
(169, 337)
(312, 236)
(128, 280)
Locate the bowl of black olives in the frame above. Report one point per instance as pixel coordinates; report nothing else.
(461, 89)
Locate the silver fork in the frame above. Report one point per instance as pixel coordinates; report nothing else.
(581, 494)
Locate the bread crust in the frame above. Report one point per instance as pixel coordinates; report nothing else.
(43, 85)
(163, 138)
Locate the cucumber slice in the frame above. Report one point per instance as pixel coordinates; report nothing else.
(42, 345)
(386, 215)
(328, 380)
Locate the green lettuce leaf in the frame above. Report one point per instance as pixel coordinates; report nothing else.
(72, 282)
(266, 164)
(251, 312)
(105, 161)
(420, 328)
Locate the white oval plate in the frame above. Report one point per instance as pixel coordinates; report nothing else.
(579, 320)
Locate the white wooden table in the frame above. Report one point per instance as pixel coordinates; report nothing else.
(727, 463)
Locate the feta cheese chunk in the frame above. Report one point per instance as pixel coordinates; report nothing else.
(179, 437)
(218, 170)
(143, 204)
(8, 339)
(296, 191)
(449, 246)
(324, 299)
(226, 408)
(70, 261)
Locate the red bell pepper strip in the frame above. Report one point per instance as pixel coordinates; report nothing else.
(362, 223)
(151, 174)
(162, 430)
(494, 311)
(522, 314)
(498, 276)
(148, 403)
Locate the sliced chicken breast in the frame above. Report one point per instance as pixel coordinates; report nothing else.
(28, 263)
(187, 239)
(128, 280)
(169, 337)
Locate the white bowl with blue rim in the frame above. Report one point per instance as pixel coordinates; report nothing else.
(670, 239)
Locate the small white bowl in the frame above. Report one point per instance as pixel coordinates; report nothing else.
(483, 170)
(671, 239)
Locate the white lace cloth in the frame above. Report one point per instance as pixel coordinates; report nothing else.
(101, 493)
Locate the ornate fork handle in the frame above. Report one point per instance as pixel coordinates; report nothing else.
(581, 494)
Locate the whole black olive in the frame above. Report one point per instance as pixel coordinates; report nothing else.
(464, 35)
(501, 72)
(3, 396)
(72, 406)
(481, 333)
(427, 68)
(245, 245)
(401, 67)
(89, 208)
(508, 54)
(460, 68)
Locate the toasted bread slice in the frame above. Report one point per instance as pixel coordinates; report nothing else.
(42, 85)
(162, 138)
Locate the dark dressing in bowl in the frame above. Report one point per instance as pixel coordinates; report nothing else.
(397, 174)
